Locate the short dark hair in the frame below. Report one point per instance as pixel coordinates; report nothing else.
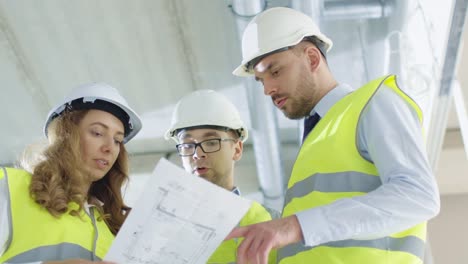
(318, 43)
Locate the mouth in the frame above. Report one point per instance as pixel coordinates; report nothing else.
(280, 102)
(200, 170)
(102, 163)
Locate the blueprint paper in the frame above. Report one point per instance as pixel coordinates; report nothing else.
(179, 218)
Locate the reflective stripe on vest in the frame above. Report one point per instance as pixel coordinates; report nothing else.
(334, 182)
(329, 167)
(409, 244)
(227, 251)
(36, 235)
(56, 252)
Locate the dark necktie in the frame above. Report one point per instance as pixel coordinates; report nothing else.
(309, 123)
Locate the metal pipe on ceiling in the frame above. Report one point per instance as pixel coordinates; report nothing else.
(267, 145)
(247, 8)
(356, 9)
(264, 131)
(310, 8)
(447, 81)
(461, 114)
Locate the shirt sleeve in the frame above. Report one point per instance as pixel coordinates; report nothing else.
(390, 136)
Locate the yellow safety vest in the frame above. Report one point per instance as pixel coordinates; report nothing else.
(227, 251)
(329, 167)
(36, 235)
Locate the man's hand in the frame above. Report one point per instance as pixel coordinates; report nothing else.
(261, 238)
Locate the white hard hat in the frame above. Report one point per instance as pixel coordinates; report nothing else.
(99, 96)
(206, 108)
(274, 29)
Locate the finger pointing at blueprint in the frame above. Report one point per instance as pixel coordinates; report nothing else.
(179, 218)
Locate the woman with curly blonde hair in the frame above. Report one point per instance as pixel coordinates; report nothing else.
(69, 207)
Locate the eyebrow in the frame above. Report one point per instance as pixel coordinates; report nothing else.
(106, 127)
(207, 134)
(270, 65)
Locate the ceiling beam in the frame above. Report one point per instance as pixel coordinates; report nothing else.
(443, 101)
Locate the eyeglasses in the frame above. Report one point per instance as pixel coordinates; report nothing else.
(208, 146)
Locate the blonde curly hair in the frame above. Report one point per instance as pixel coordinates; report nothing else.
(59, 178)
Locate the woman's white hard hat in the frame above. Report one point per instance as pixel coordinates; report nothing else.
(99, 96)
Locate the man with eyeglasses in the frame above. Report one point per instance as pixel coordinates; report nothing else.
(210, 135)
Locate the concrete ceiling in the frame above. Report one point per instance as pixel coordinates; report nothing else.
(156, 51)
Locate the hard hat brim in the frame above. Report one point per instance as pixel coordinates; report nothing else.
(134, 119)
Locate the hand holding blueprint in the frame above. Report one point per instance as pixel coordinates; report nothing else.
(179, 218)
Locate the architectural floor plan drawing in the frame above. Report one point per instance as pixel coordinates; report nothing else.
(179, 218)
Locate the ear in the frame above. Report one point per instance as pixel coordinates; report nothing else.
(314, 57)
(238, 148)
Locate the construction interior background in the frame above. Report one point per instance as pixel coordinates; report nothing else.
(156, 51)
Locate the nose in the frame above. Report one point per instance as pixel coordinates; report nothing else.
(199, 153)
(109, 145)
(269, 88)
